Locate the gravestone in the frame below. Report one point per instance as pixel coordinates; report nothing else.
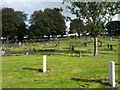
(111, 47)
(108, 46)
(112, 73)
(34, 49)
(110, 38)
(11, 48)
(101, 44)
(44, 63)
(56, 38)
(27, 53)
(2, 53)
(30, 50)
(58, 42)
(19, 44)
(79, 53)
(85, 44)
(23, 45)
(51, 54)
(73, 48)
(26, 48)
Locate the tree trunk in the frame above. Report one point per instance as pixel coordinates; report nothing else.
(95, 46)
(79, 35)
(48, 36)
(62, 35)
(7, 39)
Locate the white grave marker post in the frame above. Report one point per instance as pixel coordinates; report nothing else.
(112, 73)
(44, 63)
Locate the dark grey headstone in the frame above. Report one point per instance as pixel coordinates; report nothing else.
(34, 49)
(101, 44)
(73, 48)
(108, 46)
(111, 47)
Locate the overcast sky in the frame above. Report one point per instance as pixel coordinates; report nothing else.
(29, 6)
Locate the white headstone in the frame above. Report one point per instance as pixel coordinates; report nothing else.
(110, 38)
(112, 73)
(44, 63)
(56, 38)
(2, 53)
(11, 48)
(19, 43)
(27, 53)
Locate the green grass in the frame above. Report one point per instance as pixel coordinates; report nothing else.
(23, 71)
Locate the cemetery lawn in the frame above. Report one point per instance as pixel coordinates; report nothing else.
(64, 70)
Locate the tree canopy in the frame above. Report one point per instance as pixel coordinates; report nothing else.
(13, 22)
(77, 26)
(48, 22)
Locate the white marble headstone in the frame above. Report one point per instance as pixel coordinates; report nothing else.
(112, 73)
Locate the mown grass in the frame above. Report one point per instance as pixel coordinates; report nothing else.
(23, 71)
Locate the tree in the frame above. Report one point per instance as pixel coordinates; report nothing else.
(13, 22)
(21, 29)
(49, 22)
(95, 14)
(37, 23)
(113, 28)
(77, 26)
(8, 23)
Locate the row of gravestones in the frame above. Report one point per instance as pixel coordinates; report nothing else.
(84, 43)
(110, 46)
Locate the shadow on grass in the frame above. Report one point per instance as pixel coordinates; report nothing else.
(117, 64)
(92, 81)
(104, 53)
(85, 80)
(39, 70)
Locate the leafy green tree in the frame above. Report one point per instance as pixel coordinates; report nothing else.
(8, 22)
(13, 22)
(113, 28)
(37, 23)
(49, 22)
(95, 14)
(21, 29)
(77, 26)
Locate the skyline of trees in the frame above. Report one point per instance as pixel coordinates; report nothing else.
(14, 23)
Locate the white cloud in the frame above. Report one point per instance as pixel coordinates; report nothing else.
(115, 18)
